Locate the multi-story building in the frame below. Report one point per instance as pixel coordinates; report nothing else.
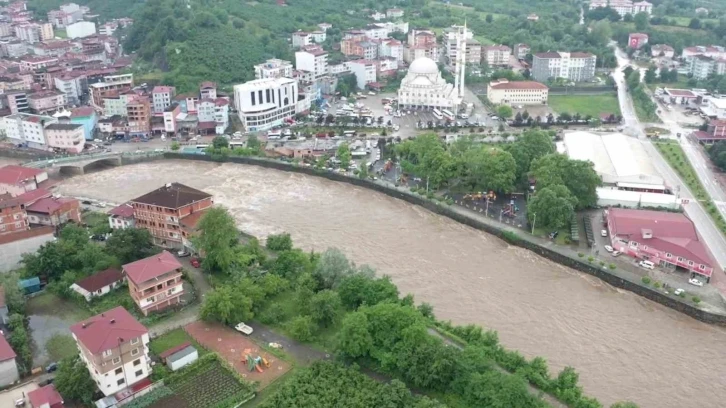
(517, 92)
(521, 50)
(411, 54)
(18, 180)
(301, 39)
(28, 130)
(15, 49)
(391, 48)
(574, 66)
(364, 71)
(394, 13)
(72, 84)
(274, 68)
(46, 101)
(642, 7)
(319, 36)
(28, 32)
(162, 96)
(264, 103)
(69, 137)
(155, 283)
(6, 30)
(474, 52)
(450, 40)
(419, 37)
(81, 29)
(54, 211)
(376, 31)
(121, 217)
(496, 55)
(138, 112)
(170, 114)
(637, 40)
(623, 7)
(35, 62)
(17, 102)
(386, 67)
(86, 117)
(13, 217)
(701, 66)
(208, 89)
(111, 85)
(662, 50)
(313, 60)
(161, 211)
(114, 347)
(713, 51)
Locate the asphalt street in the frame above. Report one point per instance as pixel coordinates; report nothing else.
(704, 224)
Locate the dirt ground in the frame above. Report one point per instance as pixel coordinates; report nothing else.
(230, 345)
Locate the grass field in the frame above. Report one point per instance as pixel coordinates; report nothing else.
(592, 105)
(685, 21)
(61, 346)
(173, 339)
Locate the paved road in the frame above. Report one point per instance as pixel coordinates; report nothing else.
(704, 224)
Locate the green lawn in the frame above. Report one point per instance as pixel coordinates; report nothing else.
(173, 339)
(50, 304)
(61, 346)
(685, 21)
(592, 105)
(60, 33)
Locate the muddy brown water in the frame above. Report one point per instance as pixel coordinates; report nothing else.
(623, 346)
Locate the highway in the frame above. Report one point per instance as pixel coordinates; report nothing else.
(704, 224)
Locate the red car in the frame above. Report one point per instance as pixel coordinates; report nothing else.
(195, 262)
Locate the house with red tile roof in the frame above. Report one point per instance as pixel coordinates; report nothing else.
(8, 368)
(155, 283)
(16, 180)
(669, 240)
(54, 211)
(114, 347)
(98, 284)
(121, 217)
(45, 397)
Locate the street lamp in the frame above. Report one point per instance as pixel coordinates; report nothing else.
(534, 220)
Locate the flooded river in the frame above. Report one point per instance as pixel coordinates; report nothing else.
(623, 346)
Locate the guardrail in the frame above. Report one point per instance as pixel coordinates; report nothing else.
(49, 162)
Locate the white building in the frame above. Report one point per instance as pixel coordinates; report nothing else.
(23, 128)
(391, 48)
(450, 35)
(264, 103)
(717, 107)
(337, 69)
(301, 39)
(662, 50)
(71, 85)
(81, 29)
(161, 97)
(376, 31)
(425, 88)
(623, 7)
(575, 66)
(517, 92)
(318, 36)
(394, 13)
(312, 59)
(98, 284)
(69, 137)
(121, 217)
(378, 16)
(496, 55)
(274, 68)
(364, 71)
(702, 66)
(28, 32)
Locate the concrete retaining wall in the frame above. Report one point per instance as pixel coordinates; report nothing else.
(501, 232)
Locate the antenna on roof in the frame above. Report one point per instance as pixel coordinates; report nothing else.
(168, 185)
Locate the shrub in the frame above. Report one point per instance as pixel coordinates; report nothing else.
(696, 299)
(645, 280)
(682, 294)
(602, 263)
(302, 328)
(510, 237)
(430, 195)
(449, 201)
(590, 258)
(274, 314)
(656, 285)
(580, 254)
(612, 266)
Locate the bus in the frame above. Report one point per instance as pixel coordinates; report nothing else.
(437, 114)
(349, 133)
(448, 115)
(273, 134)
(202, 146)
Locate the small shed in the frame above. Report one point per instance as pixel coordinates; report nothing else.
(31, 285)
(179, 356)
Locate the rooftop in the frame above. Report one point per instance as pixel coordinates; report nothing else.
(107, 330)
(167, 353)
(672, 233)
(639, 35)
(48, 205)
(12, 174)
(124, 210)
(504, 84)
(172, 195)
(191, 220)
(680, 92)
(6, 352)
(45, 395)
(100, 280)
(63, 126)
(162, 89)
(152, 267)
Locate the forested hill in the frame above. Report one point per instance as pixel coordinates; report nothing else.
(106, 9)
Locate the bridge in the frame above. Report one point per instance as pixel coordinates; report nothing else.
(77, 164)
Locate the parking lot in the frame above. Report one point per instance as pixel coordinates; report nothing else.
(8, 397)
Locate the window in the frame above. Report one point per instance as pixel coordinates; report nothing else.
(119, 371)
(117, 360)
(121, 381)
(107, 353)
(701, 266)
(134, 351)
(137, 362)
(680, 259)
(134, 340)
(669, 256)
(139, 373)
(690, 263)
(645, 247)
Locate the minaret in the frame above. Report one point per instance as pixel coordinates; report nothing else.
(456, 60)
(462, 51)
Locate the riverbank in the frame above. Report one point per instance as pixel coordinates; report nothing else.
(545, 248)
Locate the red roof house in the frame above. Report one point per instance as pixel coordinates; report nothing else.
(155, 283)
(121, 217)
(98, 284)
(666, 239)
(8, 368)
(45, 397)
(103, 331)
(17, 180)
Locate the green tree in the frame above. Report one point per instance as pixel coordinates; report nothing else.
(302, 328)
(279, 242)
(359, 289)
(74, 382)
(641, 21)
(489, 168)
(578, 176)
(505, 111)
(175, 146)
(343, 154)
(489, 18)
(624, 404)
(254, 143)
(217, 240)
(651, 75)
(332, 267)
(14, 297)
(363, 170)
(291, 264)
(354, 338)
(552, 207)
(130, 244)
(220, 142)
(325, 307)
(19, 341)
(225, 305)
(601, 33)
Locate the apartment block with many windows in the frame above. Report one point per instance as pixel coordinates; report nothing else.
(155, 283)
(114, 347)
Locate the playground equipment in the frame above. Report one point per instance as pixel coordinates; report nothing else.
(510, 210)
(388, 166)
(490, 196)
(254, 363)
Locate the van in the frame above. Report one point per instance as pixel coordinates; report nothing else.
(647, 264)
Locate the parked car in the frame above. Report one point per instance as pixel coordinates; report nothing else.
(608, 248)
(647, 264)
(182, 254)
(604, 233)
(195, 262)
(616, 253)
(678, 291)
(243, 328)
(695, 282)
(51, 367)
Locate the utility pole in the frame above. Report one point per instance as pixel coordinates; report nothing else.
(534, 220)
(486, 212)
(427, 184)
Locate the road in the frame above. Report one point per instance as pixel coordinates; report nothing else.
(704, 224)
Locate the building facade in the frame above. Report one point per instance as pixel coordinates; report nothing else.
(274, 68)
(517, 92)
(155, 283)
(423, 87)
(574, 66)
(28, 130)
(121, 217)
(264, 103)
(364, 71)
(65, 136)
(496, 55)
(162, 97)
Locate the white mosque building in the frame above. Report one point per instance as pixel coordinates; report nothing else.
(424, 88)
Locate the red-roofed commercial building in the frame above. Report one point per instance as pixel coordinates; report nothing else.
(98, 284)
(114, 348)
(666, 239)
(16, 180)
(8, 368)
(45, 397)
(54, 211)
(517, 92)
(155, 283)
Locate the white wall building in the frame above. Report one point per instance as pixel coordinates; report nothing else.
(575, 66)
(81, 29)
(318, 36)
(161, 97)
(313, 60)
(517, 92)
(623, 7)
(274, 68)
(71, 86)
(264, 103)
(301, 39)
(425, 88)
(23, 128)
(65, 136)
(364, 71)
(391, 48)
(450, 35)
(496, 55)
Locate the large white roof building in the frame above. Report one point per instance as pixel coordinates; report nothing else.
(424, 87)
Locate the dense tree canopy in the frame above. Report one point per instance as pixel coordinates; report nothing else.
(578, 176)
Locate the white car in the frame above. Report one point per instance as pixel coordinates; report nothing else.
(604, 233)
(616, 253)
(608, 248)
(243, 328)
(695, 282)
(678, 291)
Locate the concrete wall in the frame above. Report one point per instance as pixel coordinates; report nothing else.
(8, 372)
(459, 215)
(10, 253)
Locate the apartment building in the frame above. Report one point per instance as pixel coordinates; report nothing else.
(162, 96)
(702, 66)
(54, 211)
(169, 115)
(138, 113)
(68, 137)
(114, 347)
(17, 102)
(364, 71)
(574, 66)
(28, 32)
(46, 101)
(391, 48)
(13, 217)
(72, 84)
(155, 283)
(121, 217)
(313, 60)
(474, 52)
(517, 92)
(161, 210)
(450, 38)
(521, 50)
(28, 130)
(265, 103)
(208, 90)
(36, 62)
(394, 13)
(623, 7)
(496, 55)
(274, 68)
(301, 39)
(418, 37)
(110, 86)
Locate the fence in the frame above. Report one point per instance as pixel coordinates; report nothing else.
(581, 90)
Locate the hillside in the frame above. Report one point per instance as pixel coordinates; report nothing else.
(107, 9)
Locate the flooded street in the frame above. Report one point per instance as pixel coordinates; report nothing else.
(623, 346)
